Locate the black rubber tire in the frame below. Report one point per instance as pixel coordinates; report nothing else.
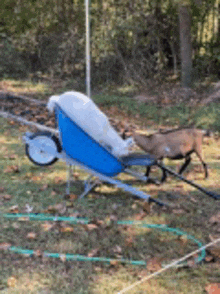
(48, 135)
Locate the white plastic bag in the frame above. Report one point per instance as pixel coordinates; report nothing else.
(82, 110)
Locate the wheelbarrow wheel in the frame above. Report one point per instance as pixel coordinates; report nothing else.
(36, 152)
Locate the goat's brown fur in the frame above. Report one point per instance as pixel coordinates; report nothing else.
(173, 144)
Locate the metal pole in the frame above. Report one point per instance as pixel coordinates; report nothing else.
(88, 79)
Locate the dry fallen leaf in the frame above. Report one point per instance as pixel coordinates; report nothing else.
(71, 197)
(60, 208)
(114, 262)
(193, 199)
(76, 175)
(44, 187)
(11, 169)
(31, 236)
(28, 208)
(75, 214)
(5, 197)
(58, 180)
(47, 226)
(35, 179)
(182, 240)
(107, 222)
(93, 252)
(4, 246)
(11, 282)
(23, 218)
(14, 209)
(179, 186)
(90, 227)
(11, 156)
(15, 225)
(153, 264)
(197, 169)
(215, 219)
(134, 206)
(37, 253)
(50, 209)
(117, 249)
(63, 257)
(69, 204)
(209, 258)
(178, 211)
(98, 269)
(215, 249)
(192, 262)
(140, 215)
(213, 288)
(66, 229)
(11, 122)
(129, 241)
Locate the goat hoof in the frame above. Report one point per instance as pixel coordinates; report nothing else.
(153, 181)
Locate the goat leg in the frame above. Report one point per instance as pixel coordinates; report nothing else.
(206, 169)
(209, 193)
(147, 171)
(184, 166)
(198, 153)
(164, 176)
(151, 180)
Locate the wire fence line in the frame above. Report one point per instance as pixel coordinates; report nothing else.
(168, 266)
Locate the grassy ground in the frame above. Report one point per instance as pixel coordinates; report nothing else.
(25, 185)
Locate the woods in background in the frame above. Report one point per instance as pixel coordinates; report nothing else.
(131, 41)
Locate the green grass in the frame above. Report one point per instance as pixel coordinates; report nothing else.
(177, 115)
(42, 187)
(33, 275)
(181, 114)
(26, 87)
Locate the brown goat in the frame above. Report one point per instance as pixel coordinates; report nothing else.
(173, 144)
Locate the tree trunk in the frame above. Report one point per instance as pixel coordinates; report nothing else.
(185, 45)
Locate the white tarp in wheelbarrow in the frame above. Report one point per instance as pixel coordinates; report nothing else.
(83, 111)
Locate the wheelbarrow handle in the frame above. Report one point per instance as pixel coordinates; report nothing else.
(209, 193)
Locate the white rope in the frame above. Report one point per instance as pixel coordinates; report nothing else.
(168, 266)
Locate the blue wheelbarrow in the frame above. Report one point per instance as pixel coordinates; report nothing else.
(77, 148)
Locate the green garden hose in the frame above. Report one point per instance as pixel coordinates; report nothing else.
(74, 220)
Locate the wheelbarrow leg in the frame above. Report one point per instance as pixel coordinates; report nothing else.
(68, 178)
